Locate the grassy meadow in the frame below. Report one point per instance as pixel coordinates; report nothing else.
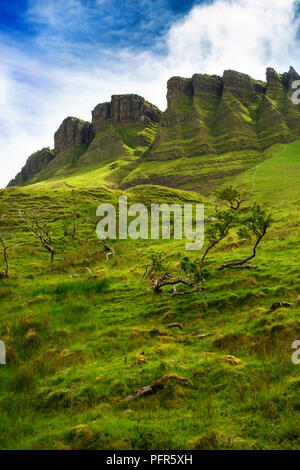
(83, 337)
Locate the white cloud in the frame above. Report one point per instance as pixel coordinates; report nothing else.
(55, 13)
(245, 35)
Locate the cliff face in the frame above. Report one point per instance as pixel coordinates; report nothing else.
(123, 128)
(35, 163)
(211, 114)
(72, 131)
(123, 110)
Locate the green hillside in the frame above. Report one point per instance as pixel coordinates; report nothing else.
(84, 336)
(213, 128)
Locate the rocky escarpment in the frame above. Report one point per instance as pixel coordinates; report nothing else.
(123, 110)
(233, 116)
(35, 163)
(178, 86)
(211, 114)
(106, 138)
(72, 131)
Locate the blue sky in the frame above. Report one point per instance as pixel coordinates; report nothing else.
(125, 21)
(61, 58)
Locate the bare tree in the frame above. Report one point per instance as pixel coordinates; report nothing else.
(5, 256)
(39, 229)
(75, 216)
(109, 251)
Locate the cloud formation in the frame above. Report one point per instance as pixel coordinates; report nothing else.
(63, 74)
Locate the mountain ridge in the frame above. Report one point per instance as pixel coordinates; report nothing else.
(206, 115)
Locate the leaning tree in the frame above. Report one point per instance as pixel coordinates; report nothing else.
(250, 223)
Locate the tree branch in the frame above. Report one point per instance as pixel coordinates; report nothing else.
(5, 255)
(43, 235)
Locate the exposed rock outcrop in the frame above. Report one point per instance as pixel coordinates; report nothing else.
(206, 115)
(179, 86)
(101, 115)
(272, 75)
(125, 109)
(35, 163)
(211, 114)
(72, 131)
(76, 143)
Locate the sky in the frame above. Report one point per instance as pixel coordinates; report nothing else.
(61, 58)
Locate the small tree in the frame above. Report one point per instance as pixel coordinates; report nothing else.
(232, 197)
(39, 229)
(5, 256)
(75, 217)
(254, 224)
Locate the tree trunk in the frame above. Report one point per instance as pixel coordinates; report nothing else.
(241, 263)
(5, 255)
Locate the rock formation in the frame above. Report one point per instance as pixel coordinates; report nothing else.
(72, 131)
(35, 163)
(125, 109)
(207, 115)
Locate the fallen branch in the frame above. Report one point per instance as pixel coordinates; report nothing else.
(278, 304)
(159, 283)
(158, 332)
(148, 390)
(206, 335)
(156, 386)
(108, 250)
(175, 325)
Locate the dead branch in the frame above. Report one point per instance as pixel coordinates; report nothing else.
(164, 281)
(5, 255)
(157, 385)
(175, 325)
(109, 251)
(42, 227)
(75, 217)
(148, 271)
(40, 231)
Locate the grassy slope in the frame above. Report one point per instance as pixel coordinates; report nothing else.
(112, 148)
(91, 330)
